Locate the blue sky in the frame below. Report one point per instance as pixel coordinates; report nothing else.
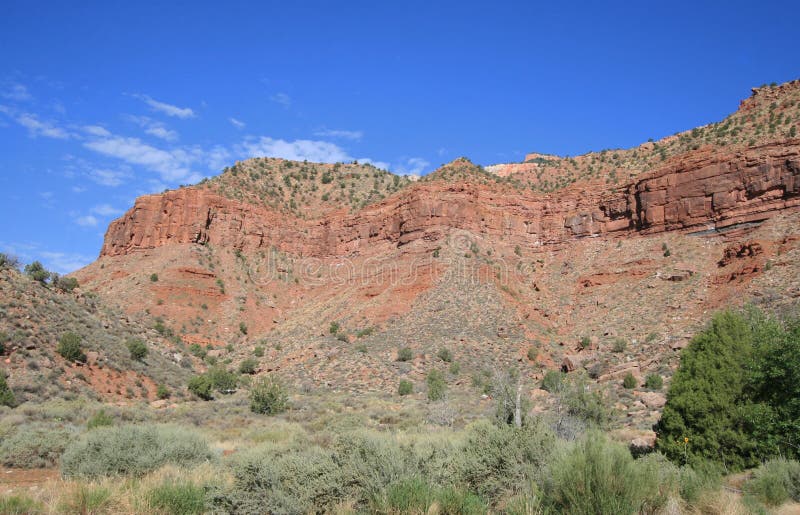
(103, 101)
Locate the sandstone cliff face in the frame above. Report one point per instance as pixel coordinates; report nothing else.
(705, 189)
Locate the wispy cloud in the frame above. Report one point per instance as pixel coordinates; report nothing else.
(86, 221)
(237, 123)
(64, 262)
(96, 130)
(106, 210)
(299, 150)
(16, 92)
(107, 177)
(38, 127)
(282, 99)
(172, 165)
(339, 134)
(154, 127)
(167, 109)
(412, 166)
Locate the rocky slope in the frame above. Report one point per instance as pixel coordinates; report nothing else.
(515, 264)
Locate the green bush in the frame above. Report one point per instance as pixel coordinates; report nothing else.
(222, 380)
(445, 355)
(620, 344)
(137, 349)
(162, 392)
(20, 505)
(369, 463)
(629, 382)
(86, 499)
(177, 498)
(405, 354)
(67, 284)
(405, 387)
(133, 450)
(242, 328)
(201, 387)
(654, 382)
(436, 385)
(100, 419)
(533, 353)
(775, 482)
(34, 446)
(268, 396)
(415, 495)
(6, 395)
(154, 277)
(69, 347)
(37, 272)
(552, 381)
(248, 366)
(258, 351)
(334, 328)
(595, 476)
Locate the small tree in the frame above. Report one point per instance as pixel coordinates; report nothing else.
(436, 385)
(248, 366)
(6, 395)
(405, 387)
(552, 381)
(69, 347)
(201, 387)
(67, 284)
(137, 348)
(405, 354)
(630, 381)
(268, 396)
(37, 272)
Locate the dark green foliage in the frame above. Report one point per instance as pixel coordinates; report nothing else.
(405, 387)
(37, 272)
(137, 348)
(248, 366)
(405, 354)
(258, 351)
(201, 387)
(6, 395)
(445, 355)
(436, 385)
(69, 347)
(162, 392)
(222, 380)
(133, 450)
(268, 396)
(585, 342)
(67, 284)
(178, 498)
(654, 382)
(154, 277)
(334, 328)
(629, 382)
(552, 381)
(242, 328)
(100, 419)
(736, 395)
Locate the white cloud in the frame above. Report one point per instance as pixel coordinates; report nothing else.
(63, 262)
(154, 127)
(106, 210)
(412, 166)
(86, 221)
(16, 91)
(108, 177)
(282, 99)
(96, 130)
(341, 134)
(237, 123)
(37, 127)
(172, 165)
(298, 150)
(167, 109)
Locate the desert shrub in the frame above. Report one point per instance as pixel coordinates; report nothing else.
(454, 368)
(37, 272)
(496, 460)
(585, 342)
(34, 446)
(405, 387)
(100, 419)
(162, 392)
(268, 396)
(67, 284)
(6, 394)
(137, 349)
(533, 353)
(133, 450)
(735, 393)
(589, 407)
(654, 382)
(619, 345)
(177, 497)
(775, 482)
(405, 354)
(20, 505)
(201, 387)
(242, 328)
(154, 277)
(8, 261)
(248, 366)
(222, 380)
(445, 355)
(369, 463)
(299, 481)
(552, 381)
(629, 382)
(69, 347)
(695, 482)
(197, 351)
(334, 328)
(86, 499)
(436, 385)
(596, 476)
(258, 351)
